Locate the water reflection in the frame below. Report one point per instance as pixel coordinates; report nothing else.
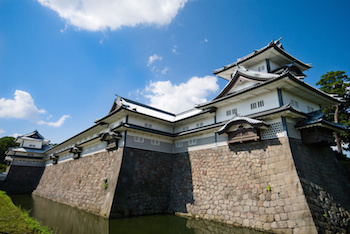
(68, 220)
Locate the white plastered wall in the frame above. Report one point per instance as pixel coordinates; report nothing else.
(302, 104)
(243, 107)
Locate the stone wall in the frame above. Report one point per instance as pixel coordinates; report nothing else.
(278, 185)
(181, 192)
(144, 184)
(22, 179)
(326, 185)
(253, 185)
(82, 182)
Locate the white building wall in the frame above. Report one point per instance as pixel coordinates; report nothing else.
(244, 107)
(32, 144)
(260, 67)
(148, 142)
(149, 123)
(93, 148)
(298, 103)
(117, 123)
(274, 66)
(180, 127)
(244, 85)
(26, 162)
(292, 131)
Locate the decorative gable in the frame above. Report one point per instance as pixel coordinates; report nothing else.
(243, 78)
(241, 129)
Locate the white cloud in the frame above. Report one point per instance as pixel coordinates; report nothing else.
(15, 135)
(164, 71)
(153, 58)
(177, 98)
(55, 124)
(95, 15)
(175, 50)
(2, 131)
(23, 107)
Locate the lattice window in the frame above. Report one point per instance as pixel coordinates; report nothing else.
(275, 131)
(192, 142)
(179, 144)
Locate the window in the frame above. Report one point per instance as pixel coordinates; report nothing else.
(253, 105)
(294, 103)
(155, 142)
(192, 142)
(258, 104)
(148, 125)
(261, 68)
(198, 125)
(231, 112)
(139, 139)
(178, 144)
(234, 111)
(185, 128)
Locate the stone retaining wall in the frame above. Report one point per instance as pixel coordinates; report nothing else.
(82, 182)
(253, 185)
(22, 179)
(144, 184)
(277, 185)
(326, 185)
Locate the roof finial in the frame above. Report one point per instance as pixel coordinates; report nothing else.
(278, 41)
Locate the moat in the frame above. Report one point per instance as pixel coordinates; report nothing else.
(68, 220)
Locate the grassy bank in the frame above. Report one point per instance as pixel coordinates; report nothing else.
(16, 220)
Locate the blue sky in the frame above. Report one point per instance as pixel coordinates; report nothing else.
(63, 62)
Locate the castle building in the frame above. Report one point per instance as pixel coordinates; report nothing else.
(252, 156)
(32, 147)
(265, 98)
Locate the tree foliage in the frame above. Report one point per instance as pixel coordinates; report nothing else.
(5, 144)
(338, 82)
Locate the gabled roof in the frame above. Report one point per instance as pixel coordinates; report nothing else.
(254, 76)
(275, 47)
(317, 118)
(35, 135)
(12, 151)
(121, 103)
(240, 120)
(279, 81)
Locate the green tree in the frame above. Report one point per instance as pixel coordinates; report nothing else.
(5, 144)
(338, 83)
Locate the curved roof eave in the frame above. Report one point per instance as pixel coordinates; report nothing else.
(272, 45)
